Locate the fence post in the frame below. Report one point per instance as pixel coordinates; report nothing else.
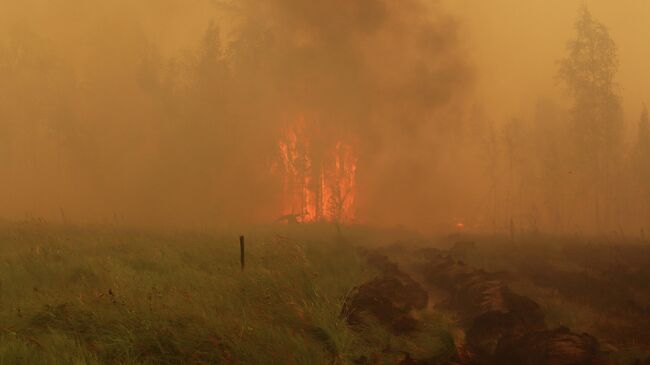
(241, 250)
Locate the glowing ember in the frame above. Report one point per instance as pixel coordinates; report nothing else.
(322, 190)
(460, 225)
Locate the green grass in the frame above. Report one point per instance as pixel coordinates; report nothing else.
(73, 295)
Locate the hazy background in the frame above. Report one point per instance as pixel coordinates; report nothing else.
(517, 45)
(168, 112)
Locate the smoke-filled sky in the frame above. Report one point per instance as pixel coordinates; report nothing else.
(516, 46)
(170, 111)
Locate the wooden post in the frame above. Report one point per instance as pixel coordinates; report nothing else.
(241, 250)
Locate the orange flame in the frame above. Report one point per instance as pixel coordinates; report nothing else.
(317, 191)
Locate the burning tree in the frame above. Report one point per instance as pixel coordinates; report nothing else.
(318, 183)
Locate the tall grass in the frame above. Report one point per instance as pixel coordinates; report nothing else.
(104, 295)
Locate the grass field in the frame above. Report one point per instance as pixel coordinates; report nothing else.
(71, 295)
(107, 295)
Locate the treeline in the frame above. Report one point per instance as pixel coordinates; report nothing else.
(108, 127)
(572, 171)
(98, 122)
(112, 130)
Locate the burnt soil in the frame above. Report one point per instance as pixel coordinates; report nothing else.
(498, 324)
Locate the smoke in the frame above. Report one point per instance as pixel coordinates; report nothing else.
(115, 111)
(392, 79)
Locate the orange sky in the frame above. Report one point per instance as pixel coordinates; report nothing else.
(516, 45)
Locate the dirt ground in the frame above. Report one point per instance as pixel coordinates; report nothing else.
(584, 302)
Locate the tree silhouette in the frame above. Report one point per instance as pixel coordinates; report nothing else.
(589, 73)
(643, 141)
(641, 165)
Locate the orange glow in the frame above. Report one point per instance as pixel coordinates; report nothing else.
(317, 191)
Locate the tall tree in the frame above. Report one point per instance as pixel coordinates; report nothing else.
(589, 73)
(643, 141)
(548, 145)
(641, 166)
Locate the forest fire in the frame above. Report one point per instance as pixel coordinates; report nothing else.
(318, 184)
(325, 182)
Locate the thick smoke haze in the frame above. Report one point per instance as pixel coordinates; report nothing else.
(170, 112)
(517, 45)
